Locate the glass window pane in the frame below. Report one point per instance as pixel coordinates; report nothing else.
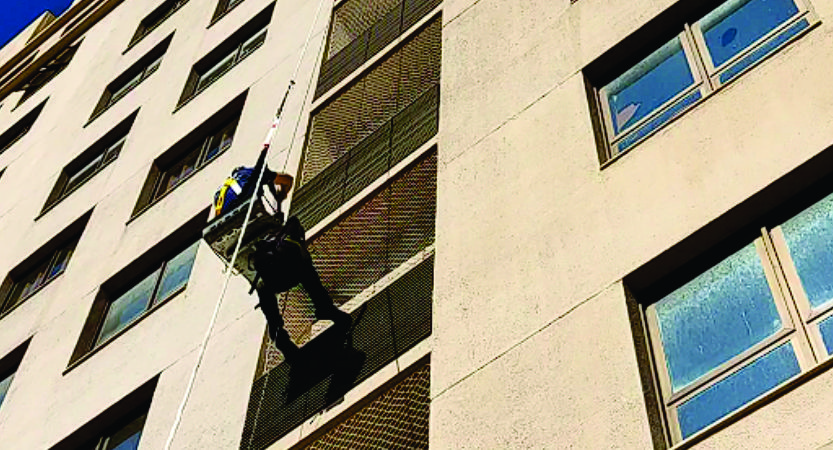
(648, 85)
(826, 329)
(220, 141)
(716, 316)
(128, 307)
(27, 284)
(178, 172)
(127, 438)
(112, 152)
(177, 271)
(61, 260)
(809, 236)
(4, 387)
(152, 67)
(736, 24)
(252, 44)
(738, 389)
(84, 173)
(215, 72)
(122, 91)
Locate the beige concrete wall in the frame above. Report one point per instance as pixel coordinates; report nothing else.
(531, 343)
(45, 405)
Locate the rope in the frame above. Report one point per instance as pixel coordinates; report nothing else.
(228, 269)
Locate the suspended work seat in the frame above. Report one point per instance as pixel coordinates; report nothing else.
(222, 232)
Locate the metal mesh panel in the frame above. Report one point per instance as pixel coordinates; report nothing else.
(373, 100)
(352, 18)
(415, 10)
(379, 235)
(396, 419)
(351, 255)
(334, 130)
(422, 70)
(286, 396)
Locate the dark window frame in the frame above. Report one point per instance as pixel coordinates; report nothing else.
(232, 47)
(17, 131)
(9, 365)
(42, 262)
(102, 152)
(131, 78)
(129, 277)
(223, 8)
(153, 20)
(196, 141)
(133, 406)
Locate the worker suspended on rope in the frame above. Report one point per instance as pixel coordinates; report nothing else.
(281, 259)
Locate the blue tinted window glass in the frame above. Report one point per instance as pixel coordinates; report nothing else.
(653, 124)
(809, 236)
(826, 328)
(716, 316)
(736, 24)
(5, 383)
(127, 437)
(764, 49)
(738, 389)
(648, 85)
(128, 307)
(177, 272)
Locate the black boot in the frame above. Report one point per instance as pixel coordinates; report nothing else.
(282, 341)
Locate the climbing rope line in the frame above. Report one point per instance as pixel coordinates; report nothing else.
(228, 269)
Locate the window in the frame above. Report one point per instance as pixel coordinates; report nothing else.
(701, 57)
(167, 280)
(141, 287)
(8, 368)
(758, 316)
(89, 163)
(223, 7)
(227, 55)
(19, 129)
(190, 154)
(131, 78)
(47, 72)
(119, 427)
(155, 18)
(46, 264)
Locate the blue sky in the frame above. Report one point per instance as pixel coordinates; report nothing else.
(16, 14)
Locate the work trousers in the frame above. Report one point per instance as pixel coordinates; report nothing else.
(282, 263)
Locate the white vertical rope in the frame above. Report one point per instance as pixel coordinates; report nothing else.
(266, 145)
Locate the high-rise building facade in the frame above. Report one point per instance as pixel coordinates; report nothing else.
(570, 224)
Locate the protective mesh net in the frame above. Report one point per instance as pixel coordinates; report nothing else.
(352, 18)
(396, 419)
(361, 29)
(386, 326)
(373, 100)
(377, 237)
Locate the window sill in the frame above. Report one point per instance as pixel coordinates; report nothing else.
(161, 197)
(764, 400)
(101, 345)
